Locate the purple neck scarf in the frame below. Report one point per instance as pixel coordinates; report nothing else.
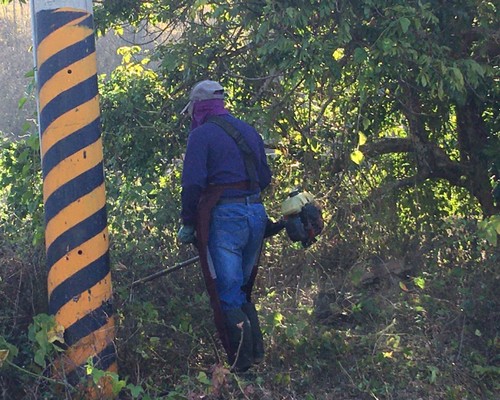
(204, 108)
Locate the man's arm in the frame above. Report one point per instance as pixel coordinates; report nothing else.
(194, 177)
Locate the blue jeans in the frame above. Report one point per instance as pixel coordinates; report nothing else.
(235, 240)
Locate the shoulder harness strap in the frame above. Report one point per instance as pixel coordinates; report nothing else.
(248, 155)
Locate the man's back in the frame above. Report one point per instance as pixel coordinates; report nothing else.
(213, 158)
(209, 144)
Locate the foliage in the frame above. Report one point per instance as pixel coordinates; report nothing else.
(326, 72)
(490, 229)
(142, 159)
(44, 332)
(20, 180)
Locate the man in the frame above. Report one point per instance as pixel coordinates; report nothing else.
(223, 214)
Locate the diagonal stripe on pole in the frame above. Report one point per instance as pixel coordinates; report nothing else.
(76, 236)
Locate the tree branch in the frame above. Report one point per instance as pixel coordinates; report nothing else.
(388, 146)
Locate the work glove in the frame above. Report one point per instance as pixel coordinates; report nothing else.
(273, 228)
(186, 234)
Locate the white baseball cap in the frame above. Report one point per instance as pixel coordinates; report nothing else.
(204, 90)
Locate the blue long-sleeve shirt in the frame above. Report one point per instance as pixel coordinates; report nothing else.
(212, 157)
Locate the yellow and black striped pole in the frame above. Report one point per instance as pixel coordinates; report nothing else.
(76, 236)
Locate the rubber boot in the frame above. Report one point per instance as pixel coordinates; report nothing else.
(240, 339)
(258, 341)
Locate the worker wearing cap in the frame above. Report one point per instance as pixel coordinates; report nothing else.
(223, 213)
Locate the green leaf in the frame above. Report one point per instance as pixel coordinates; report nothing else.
(40, 358)
(405, 24)
(290, 11)
(386, 44)
(366, 123)
(457, 77)
(97, 375)
(440, 92)
(21, 102)
(116, 384)
(423, 80)
(433, 373)
(495, 221)
(419, 282)
(135, 390)
(26, 126)
(278, 319)
(477, 68)
(203, 378)
(357, 156)
(489, 229)
(360, 55)
(491, 236)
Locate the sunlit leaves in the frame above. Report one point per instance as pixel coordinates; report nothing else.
(338, 54)
(127, 52)
(278, 319)
(419, 282)
(362, 139)
(357, 156)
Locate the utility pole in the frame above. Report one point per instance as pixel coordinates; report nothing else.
(76, 235)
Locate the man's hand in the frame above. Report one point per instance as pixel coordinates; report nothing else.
(186, 234)
(273, 228)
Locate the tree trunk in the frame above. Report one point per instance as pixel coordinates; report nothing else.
(472, 139)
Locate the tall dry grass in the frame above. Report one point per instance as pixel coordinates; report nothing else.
(16, 61)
